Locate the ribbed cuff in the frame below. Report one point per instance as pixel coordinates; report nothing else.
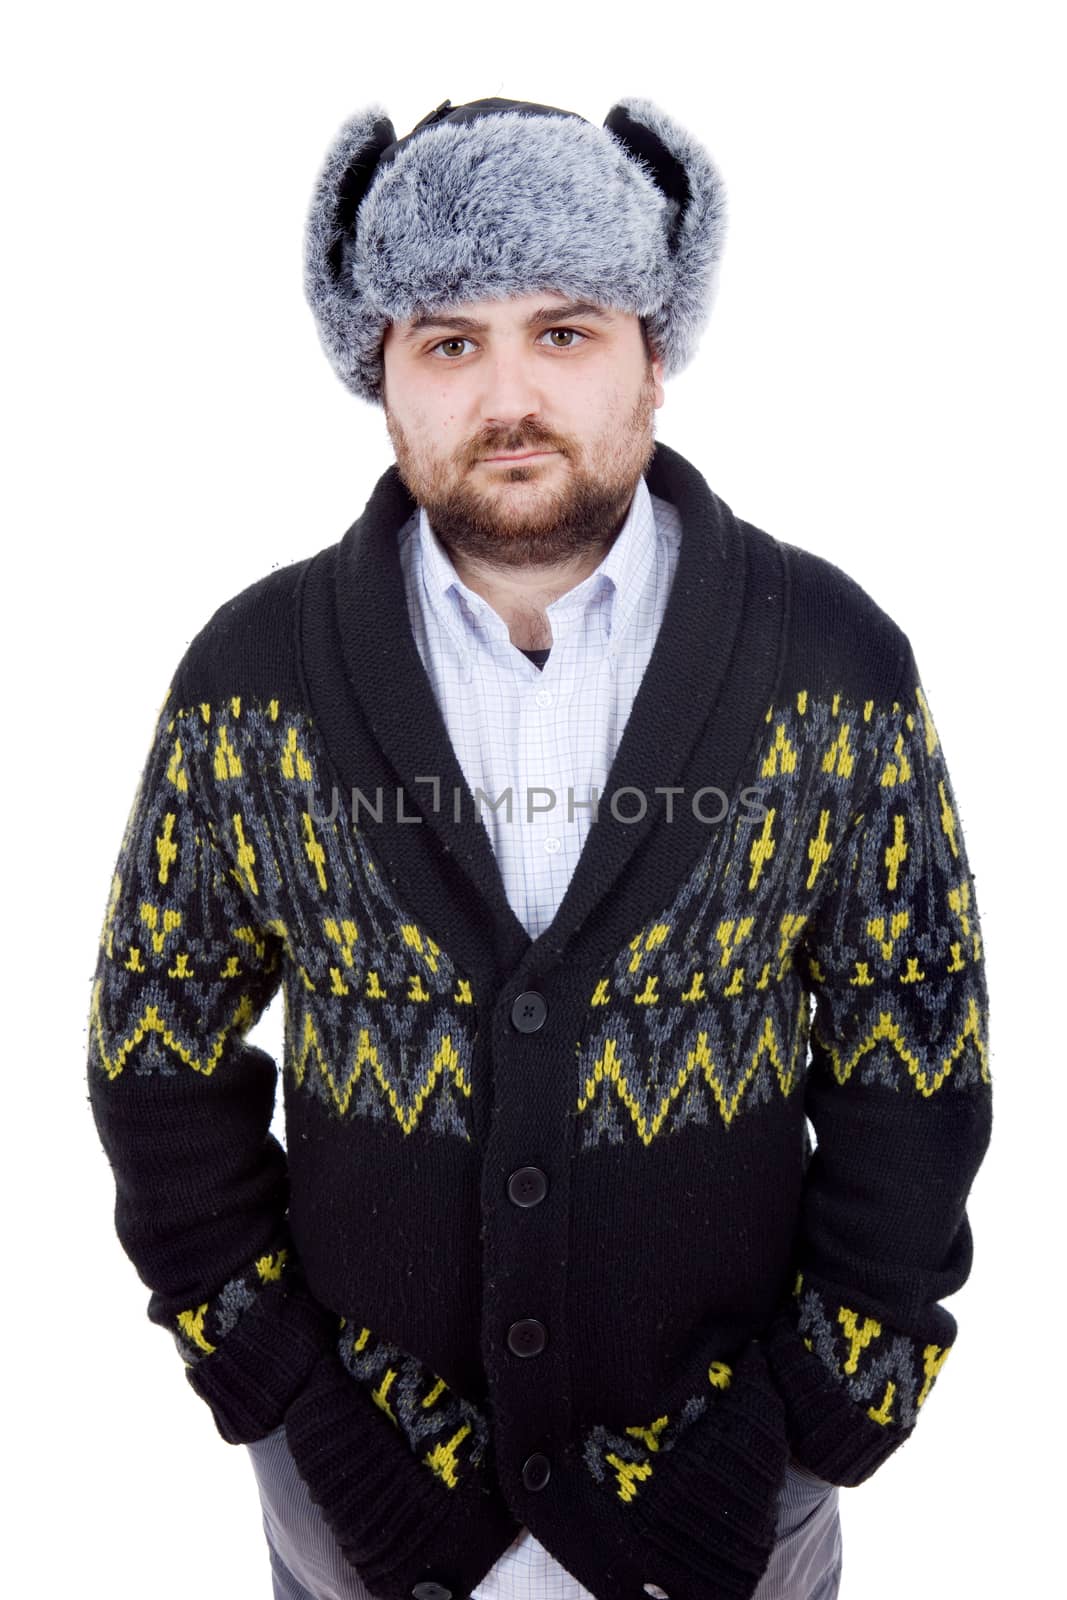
(250, 1380)
(829, 1433)
(397, 1522)
(709, 1527)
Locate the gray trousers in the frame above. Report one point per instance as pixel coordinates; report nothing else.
(307, 1563)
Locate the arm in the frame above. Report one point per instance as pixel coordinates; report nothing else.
(899, 1094)
(183, 1104)
(187, 963)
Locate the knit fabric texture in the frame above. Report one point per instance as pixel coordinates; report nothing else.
(624, 1362)
(534, 745)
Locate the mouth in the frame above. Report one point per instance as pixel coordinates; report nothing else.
(530, 455)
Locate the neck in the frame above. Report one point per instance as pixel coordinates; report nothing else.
(520, 596)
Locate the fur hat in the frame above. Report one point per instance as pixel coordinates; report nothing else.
(497, 198)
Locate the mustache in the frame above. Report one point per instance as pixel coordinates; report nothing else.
(515, 444)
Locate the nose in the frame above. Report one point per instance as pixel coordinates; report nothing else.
(512, 389)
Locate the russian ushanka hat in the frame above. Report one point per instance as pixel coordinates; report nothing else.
(497, 198)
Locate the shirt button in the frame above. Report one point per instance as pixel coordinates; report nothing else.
(527, 1186)
(536, 1471)
(528, 1337)
(529, 1011)
(543, 697)
(552, 844)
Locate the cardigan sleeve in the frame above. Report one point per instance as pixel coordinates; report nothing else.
(183, 1103)
(183, 1106)
(899, 1094)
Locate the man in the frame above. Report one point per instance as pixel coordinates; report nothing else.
(554, 796)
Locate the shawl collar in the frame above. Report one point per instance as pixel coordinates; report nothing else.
(701, 701)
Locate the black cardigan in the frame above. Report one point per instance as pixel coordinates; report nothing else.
(548, 1245)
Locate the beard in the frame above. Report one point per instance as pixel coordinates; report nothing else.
(531, 513)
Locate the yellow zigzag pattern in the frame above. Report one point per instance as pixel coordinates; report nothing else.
(150, 1022)
(445, 1059)
(886, 1028)
(609, 1068)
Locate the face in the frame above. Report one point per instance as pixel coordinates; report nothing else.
(569, 385)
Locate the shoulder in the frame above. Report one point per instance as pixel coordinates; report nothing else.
(838, 638)
(249, 644)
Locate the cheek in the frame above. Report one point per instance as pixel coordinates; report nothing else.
(424, 419)
(600, 415)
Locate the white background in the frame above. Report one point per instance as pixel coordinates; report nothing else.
(881, 383)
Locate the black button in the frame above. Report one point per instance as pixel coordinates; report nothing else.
(428, 1590)
(528, 1011)
(528, 1337)
(536, 1471)
(527, 1186)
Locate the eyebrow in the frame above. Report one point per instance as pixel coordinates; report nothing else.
(544, 316)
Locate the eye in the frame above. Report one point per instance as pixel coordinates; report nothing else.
(456, 339)
(574, 331)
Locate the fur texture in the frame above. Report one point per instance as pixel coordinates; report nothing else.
(504, 205)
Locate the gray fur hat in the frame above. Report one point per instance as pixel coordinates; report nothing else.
(502, 197)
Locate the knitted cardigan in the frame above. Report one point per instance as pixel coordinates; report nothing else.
(550, 1244)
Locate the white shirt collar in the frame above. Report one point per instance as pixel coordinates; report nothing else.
(619, 577)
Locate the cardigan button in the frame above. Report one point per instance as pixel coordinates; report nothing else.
(527, 1186)
(536, 1471)
(528, 1011)
(527, 1337)
(429, 1590)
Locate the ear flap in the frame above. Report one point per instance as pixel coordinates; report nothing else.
(350, 165)
(695, 222)
(646, 145)
(344, 179)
